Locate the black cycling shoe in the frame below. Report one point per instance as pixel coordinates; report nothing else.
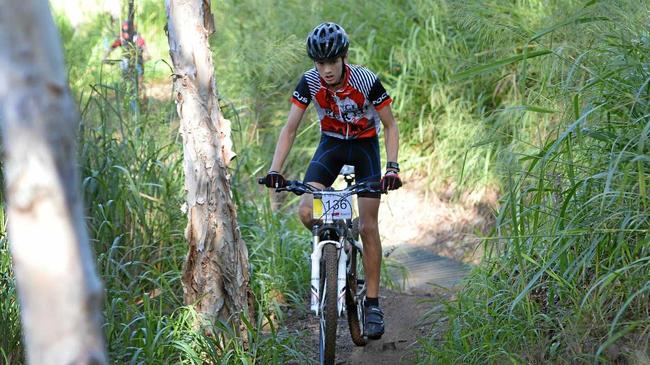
(374, 322)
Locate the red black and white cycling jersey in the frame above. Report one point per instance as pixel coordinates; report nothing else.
(349, 112)
(122, 41)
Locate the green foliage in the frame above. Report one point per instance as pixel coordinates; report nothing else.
(133, 187)
(10, 342)
(566, 278)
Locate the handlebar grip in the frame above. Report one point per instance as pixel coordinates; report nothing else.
(261, 180)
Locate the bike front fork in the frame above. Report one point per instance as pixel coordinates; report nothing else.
(316, 255)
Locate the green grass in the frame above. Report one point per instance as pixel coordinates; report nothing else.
(10, 341)
(566, 278)
(134, 192)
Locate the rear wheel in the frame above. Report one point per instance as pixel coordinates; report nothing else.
(328, 310)
(353, 293)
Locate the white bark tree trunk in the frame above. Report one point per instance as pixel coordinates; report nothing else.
(215, 275)
(59, 291)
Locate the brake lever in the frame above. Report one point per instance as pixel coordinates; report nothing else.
(292, 186)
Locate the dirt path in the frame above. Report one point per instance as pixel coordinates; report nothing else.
(435, 243)
(408, 318)
(405, 324)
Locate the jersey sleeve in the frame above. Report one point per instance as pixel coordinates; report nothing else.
(378, 95)
(301, 96)
(140, 42)
(116, 43)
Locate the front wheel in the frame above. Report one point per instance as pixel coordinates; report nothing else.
(328, 310)
(354, 291)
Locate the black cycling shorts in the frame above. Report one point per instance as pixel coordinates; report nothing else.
(332, 153)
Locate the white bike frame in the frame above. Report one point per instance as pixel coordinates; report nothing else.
(342, 259)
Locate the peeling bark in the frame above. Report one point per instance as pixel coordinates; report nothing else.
(215, 275)
(59, 291)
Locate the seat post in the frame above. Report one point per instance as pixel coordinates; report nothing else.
(348, 174)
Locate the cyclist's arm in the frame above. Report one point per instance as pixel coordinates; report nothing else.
(115, 44)
(144, 51)
(391, 132)
(287, 136)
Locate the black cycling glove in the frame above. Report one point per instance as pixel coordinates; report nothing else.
(274, 180)
(390, 181)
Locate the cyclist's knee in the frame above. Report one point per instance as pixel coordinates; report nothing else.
(305, 214)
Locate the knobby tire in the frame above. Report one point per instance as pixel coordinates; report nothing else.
(328, 352)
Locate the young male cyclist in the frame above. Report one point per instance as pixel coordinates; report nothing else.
(352, 105)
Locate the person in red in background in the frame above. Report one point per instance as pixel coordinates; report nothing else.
(138, 46)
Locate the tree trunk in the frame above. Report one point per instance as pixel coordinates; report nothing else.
(59, 291)
(215, 275)
(130, 18)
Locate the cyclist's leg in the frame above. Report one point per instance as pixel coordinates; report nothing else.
(369, 230)
(364, 155)
(307, 205)
(322, 171)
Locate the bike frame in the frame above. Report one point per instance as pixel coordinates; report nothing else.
(342, 257)
(335, 227)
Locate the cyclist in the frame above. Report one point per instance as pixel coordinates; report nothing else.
(137, 45)
(352, 105)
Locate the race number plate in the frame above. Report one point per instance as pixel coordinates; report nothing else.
(333, 206)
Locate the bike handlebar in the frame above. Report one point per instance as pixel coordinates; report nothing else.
(299, 188)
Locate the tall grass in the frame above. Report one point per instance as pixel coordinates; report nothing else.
(567, 276)
(134, 192)
(10, 341)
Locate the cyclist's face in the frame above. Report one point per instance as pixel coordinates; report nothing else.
(330, 70)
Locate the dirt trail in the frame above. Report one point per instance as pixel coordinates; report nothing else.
(406, 322)
(434, 242)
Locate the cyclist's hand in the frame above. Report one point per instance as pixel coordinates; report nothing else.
(390, 181)
(274, 180)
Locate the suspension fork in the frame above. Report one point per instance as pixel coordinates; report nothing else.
(341, 282)
(316, 254)
(342, 276)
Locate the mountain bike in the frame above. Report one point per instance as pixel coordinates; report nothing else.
(337, 282)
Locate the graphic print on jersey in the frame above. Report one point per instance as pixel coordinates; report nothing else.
(351, 111)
